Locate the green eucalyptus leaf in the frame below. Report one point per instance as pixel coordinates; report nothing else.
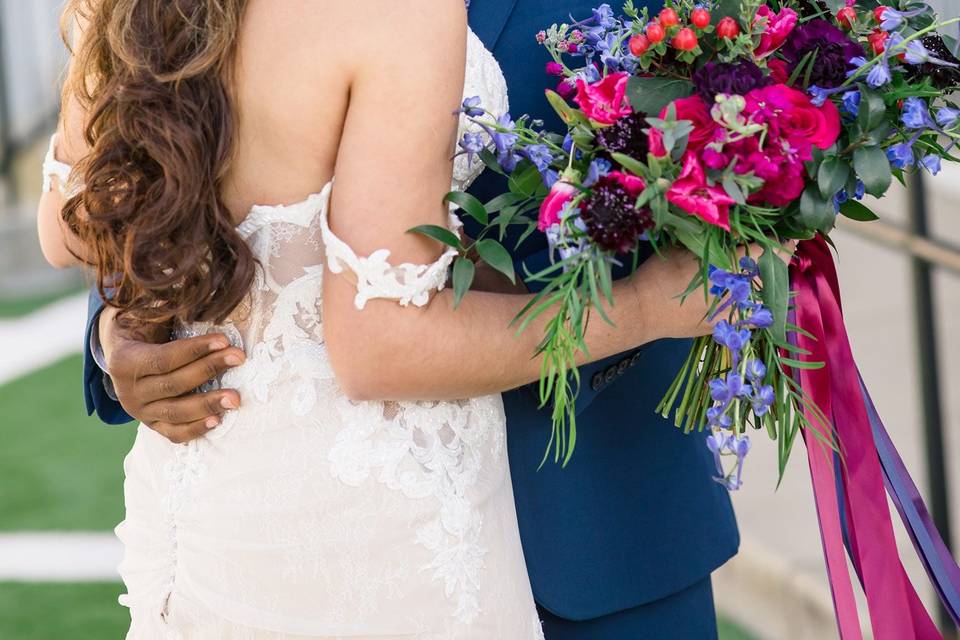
(873, 167)
(873, 110)
(470, 204)
(832, 176)
(441, 234)
(858, 211)
(497, 257)
(816, 212)
(651, 95)
(463, 272)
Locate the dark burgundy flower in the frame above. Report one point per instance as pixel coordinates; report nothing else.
(627, 136)
(613, 221)
(834, 50)
(733, 78)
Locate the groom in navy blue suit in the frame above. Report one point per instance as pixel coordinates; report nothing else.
(621, 543)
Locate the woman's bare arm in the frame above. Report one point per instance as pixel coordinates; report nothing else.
(392, 171)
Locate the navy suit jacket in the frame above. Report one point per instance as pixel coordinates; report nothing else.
(635, 516)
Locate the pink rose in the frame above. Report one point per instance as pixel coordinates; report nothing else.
(797, 118)
(605, 101)
(695, 110)
(691, 193)
(633, 185)
(560, 194)
(776, 27)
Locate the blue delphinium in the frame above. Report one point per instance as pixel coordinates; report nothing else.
(744, 383)
(850, 101)
(931, 163)
(472, 143)
(539, 155)
(471, 107)
(901, 155)
(597, 169)
(915, 114)
(947, 117)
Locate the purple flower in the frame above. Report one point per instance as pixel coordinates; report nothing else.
(603, 15)
(931, 163)
(851, 102)
(947, 117)
(730, 337)
(717, 417)
(749, 267)
(763, 400)
(597, 169)
(472, 143)
(470, 107)
(834, 52)
(761, 318)
(540, 156)
(916, 114)
(879, 75)
(733, 78)
(756, 370)
(901, 155)
(554, 68)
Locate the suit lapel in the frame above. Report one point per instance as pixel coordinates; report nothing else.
(488, 18)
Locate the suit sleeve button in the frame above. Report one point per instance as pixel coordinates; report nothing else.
(597, 381)
(636, 358)
(624, 364)
(610, 374)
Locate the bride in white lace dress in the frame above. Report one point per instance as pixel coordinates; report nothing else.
(318, 509)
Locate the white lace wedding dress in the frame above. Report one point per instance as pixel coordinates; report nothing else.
(307, 515)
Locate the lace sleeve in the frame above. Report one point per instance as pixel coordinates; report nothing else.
(377, 278)
(53, 168)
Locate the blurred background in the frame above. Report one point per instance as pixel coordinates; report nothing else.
(60, 471)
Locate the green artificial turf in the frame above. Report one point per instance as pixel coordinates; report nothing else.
(61, 611)
(89, 611)
(21, 306)
(59, 469)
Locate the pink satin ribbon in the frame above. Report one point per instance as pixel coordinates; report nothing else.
(896, 611)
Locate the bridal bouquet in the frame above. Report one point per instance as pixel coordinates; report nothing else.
(713, 127)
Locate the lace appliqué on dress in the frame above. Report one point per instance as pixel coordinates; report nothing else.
(377, 278)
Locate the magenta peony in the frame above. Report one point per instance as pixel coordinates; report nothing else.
(776, 28)
(693, 194)
(604, 101)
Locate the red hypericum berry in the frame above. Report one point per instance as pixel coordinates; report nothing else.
(639, 44)
(655, 33)
(878, 13)
(700, 17)
(669, 18)
(878, 41)
(728, 28)
(685, 40)
(846, 17)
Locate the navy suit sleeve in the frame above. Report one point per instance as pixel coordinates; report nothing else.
(95, 394)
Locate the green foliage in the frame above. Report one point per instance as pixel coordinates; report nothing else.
(651, 95)
(873, 167)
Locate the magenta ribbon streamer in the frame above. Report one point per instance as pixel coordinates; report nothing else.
(858, 479)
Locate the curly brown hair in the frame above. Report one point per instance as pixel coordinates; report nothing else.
(153, 77)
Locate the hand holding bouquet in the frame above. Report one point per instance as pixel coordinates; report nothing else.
(726, 129)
